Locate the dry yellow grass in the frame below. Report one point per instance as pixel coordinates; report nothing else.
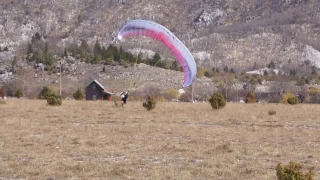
(95, 140)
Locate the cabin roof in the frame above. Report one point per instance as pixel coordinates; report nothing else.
(97, 82)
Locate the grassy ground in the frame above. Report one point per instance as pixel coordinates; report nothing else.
(96, 140)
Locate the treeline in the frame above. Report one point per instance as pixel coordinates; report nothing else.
(112, 55)
(39, 51)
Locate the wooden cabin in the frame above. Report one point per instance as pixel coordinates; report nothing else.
(96, 91)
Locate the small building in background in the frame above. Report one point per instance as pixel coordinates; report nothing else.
(96, 91)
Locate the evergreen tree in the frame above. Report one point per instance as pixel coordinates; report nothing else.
(19, 93)
(6, 49)
(65, 53)
(271, 65)
(36, 37)
(96, 59)
(104, 53)
(122, 53)
(30, 49)
(226, 69)
(156, 58)
(110, 51)
(174, 66)
(139, 60)
(97, 48)
(84, 47)
(14, 62)
(116, 54)
(78, 95)
(46, 48)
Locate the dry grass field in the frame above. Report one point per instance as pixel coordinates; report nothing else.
(96, 140)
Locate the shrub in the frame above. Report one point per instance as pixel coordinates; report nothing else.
(251, 98)
(2, 102)
(289, 98)
(272, 112)
(44, 93)
(292, 172)
(78, 95)
(173, 93)
(54, 100)
(150, 103)
(19, 93)
(293, 100)
(3, 92)
(217, 101)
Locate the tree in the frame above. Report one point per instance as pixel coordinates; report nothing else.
(44, 93)
(226, 69)
(174, 66)
(265, 73)
(78, 95)
(54, 100)
(14, 62)
(271, 65)
(156, 58)
(3, 92)
(30, 49)
(97, 48)
(96, 59)
(84, 47)
(232, 71)
(19, 93)
(139, 60)
(36, 37)
(6, 49)
(0, 49)
(150, 103)
(217, 101)
(208, 74)
(122, 53)
(104, 69)
(46, 48)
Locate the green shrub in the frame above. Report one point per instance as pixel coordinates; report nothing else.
(251, 98)
(289, 98)
(19, 93)
(44, 93)
(54, 100)
(272, 112)
(217, 101)
(78, 95)
(293, 172)
(150, 103)
(293, 100)
(2, 102)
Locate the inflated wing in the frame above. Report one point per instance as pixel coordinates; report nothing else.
(162, 34)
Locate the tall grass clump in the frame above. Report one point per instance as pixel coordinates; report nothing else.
(292, 171)
(251, 98)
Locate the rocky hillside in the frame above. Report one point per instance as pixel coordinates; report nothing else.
(218, 32)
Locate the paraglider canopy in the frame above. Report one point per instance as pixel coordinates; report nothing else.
(166, 37)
